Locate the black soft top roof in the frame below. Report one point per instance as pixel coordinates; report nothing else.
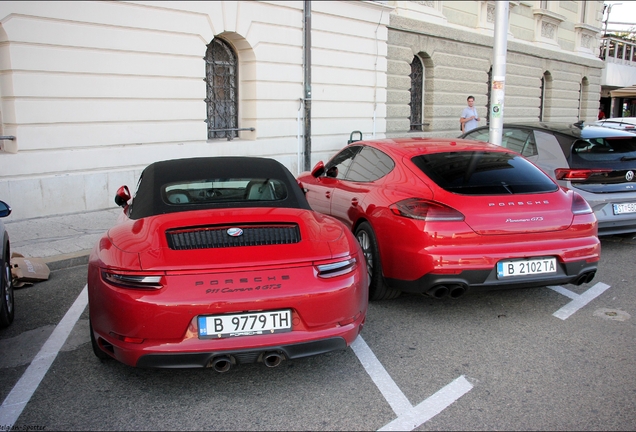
(148, 198)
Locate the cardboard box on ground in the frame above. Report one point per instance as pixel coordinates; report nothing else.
(26, 271)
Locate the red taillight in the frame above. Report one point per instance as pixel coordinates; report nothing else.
(429, 211)
(133, 281)
(578, 174)
(579, 205)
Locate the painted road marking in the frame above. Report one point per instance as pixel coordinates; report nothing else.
(578, 301)
(409, 417)
(22, 392)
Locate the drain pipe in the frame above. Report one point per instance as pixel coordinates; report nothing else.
(307, 71)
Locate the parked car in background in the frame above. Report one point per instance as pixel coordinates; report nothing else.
(623, 123)
(7, 305)
(221, 261)
(442, 217)
(597, 162)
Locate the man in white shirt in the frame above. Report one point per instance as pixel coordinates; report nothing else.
(469, 118)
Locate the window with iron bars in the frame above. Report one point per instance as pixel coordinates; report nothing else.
(417, 78)
(221, 78)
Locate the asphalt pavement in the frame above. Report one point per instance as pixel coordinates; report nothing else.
(61, 241)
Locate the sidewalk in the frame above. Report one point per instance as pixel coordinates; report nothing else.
(62, 241)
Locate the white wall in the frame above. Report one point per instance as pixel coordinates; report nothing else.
(95, 91)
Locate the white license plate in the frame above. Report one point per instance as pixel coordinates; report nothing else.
(526, 267)
(624, 208)
(255, 323)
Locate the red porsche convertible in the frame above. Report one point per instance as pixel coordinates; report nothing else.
(221, 261)
(441, 217)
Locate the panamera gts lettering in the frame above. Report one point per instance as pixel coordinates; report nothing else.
(227, 290)
(532, 219)
(518, 203)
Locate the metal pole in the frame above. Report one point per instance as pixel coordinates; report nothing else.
(307, 70)
(499, 72)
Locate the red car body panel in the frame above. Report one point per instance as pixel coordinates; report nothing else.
(494, 227)
(157, 327)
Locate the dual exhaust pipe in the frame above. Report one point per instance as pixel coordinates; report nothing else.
(450, 290)
(224, 363)
(585, 278)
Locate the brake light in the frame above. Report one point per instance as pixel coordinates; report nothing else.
(569, 174)
(133, 281)
(335, 268)
(416, 208)
(579, 205)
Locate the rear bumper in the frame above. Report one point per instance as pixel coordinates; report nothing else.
(576, 272)
(204, 359)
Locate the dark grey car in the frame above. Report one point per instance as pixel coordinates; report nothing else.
(597, 162)
(7, 309)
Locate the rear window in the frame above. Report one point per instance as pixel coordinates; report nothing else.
(604, 151)
(484, 173)
(210, 191)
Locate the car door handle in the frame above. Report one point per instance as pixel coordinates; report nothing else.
(328, 194)
(354, 202)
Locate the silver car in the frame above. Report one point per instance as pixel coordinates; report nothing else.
(623, 123)
(7, 309)
(597, 162)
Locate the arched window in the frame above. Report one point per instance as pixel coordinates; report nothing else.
(417, 86)
(546, 96)
(584, 94)
(221, 77)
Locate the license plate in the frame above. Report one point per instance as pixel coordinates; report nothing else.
(624, 208)
(526, 267)
(255, 323)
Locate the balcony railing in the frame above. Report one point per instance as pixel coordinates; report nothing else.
(617, 50)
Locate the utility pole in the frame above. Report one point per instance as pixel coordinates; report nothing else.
(499, 72)
(307, 70)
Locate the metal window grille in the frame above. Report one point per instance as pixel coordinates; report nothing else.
(417, 80)
(221, 77)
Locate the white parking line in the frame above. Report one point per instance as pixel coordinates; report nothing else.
(409, 417)
(578, 301)
(22, 392)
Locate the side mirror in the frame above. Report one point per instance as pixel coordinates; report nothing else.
(318, 170)
(5, 210)
(122, 197)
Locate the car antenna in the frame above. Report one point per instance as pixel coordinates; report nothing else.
(579, 124)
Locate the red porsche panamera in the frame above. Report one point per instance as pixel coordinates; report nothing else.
(221, 261)
(441, 217)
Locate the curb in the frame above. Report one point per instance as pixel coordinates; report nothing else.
(59, 262)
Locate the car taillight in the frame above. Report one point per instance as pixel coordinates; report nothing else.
(579, 205)
(416, 208)
(335, 268)
(578, 174)
(133, 281)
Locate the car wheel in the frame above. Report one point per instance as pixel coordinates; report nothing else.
(378, 289)
(99, 353)
(7, 308)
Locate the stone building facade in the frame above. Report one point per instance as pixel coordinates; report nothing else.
(94, 91)
(552, 72)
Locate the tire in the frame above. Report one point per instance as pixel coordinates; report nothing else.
(378, 289)
(7, 299)
(99, 353)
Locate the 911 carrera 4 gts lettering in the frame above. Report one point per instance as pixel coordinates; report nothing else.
(243, 280)
(232, 290)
